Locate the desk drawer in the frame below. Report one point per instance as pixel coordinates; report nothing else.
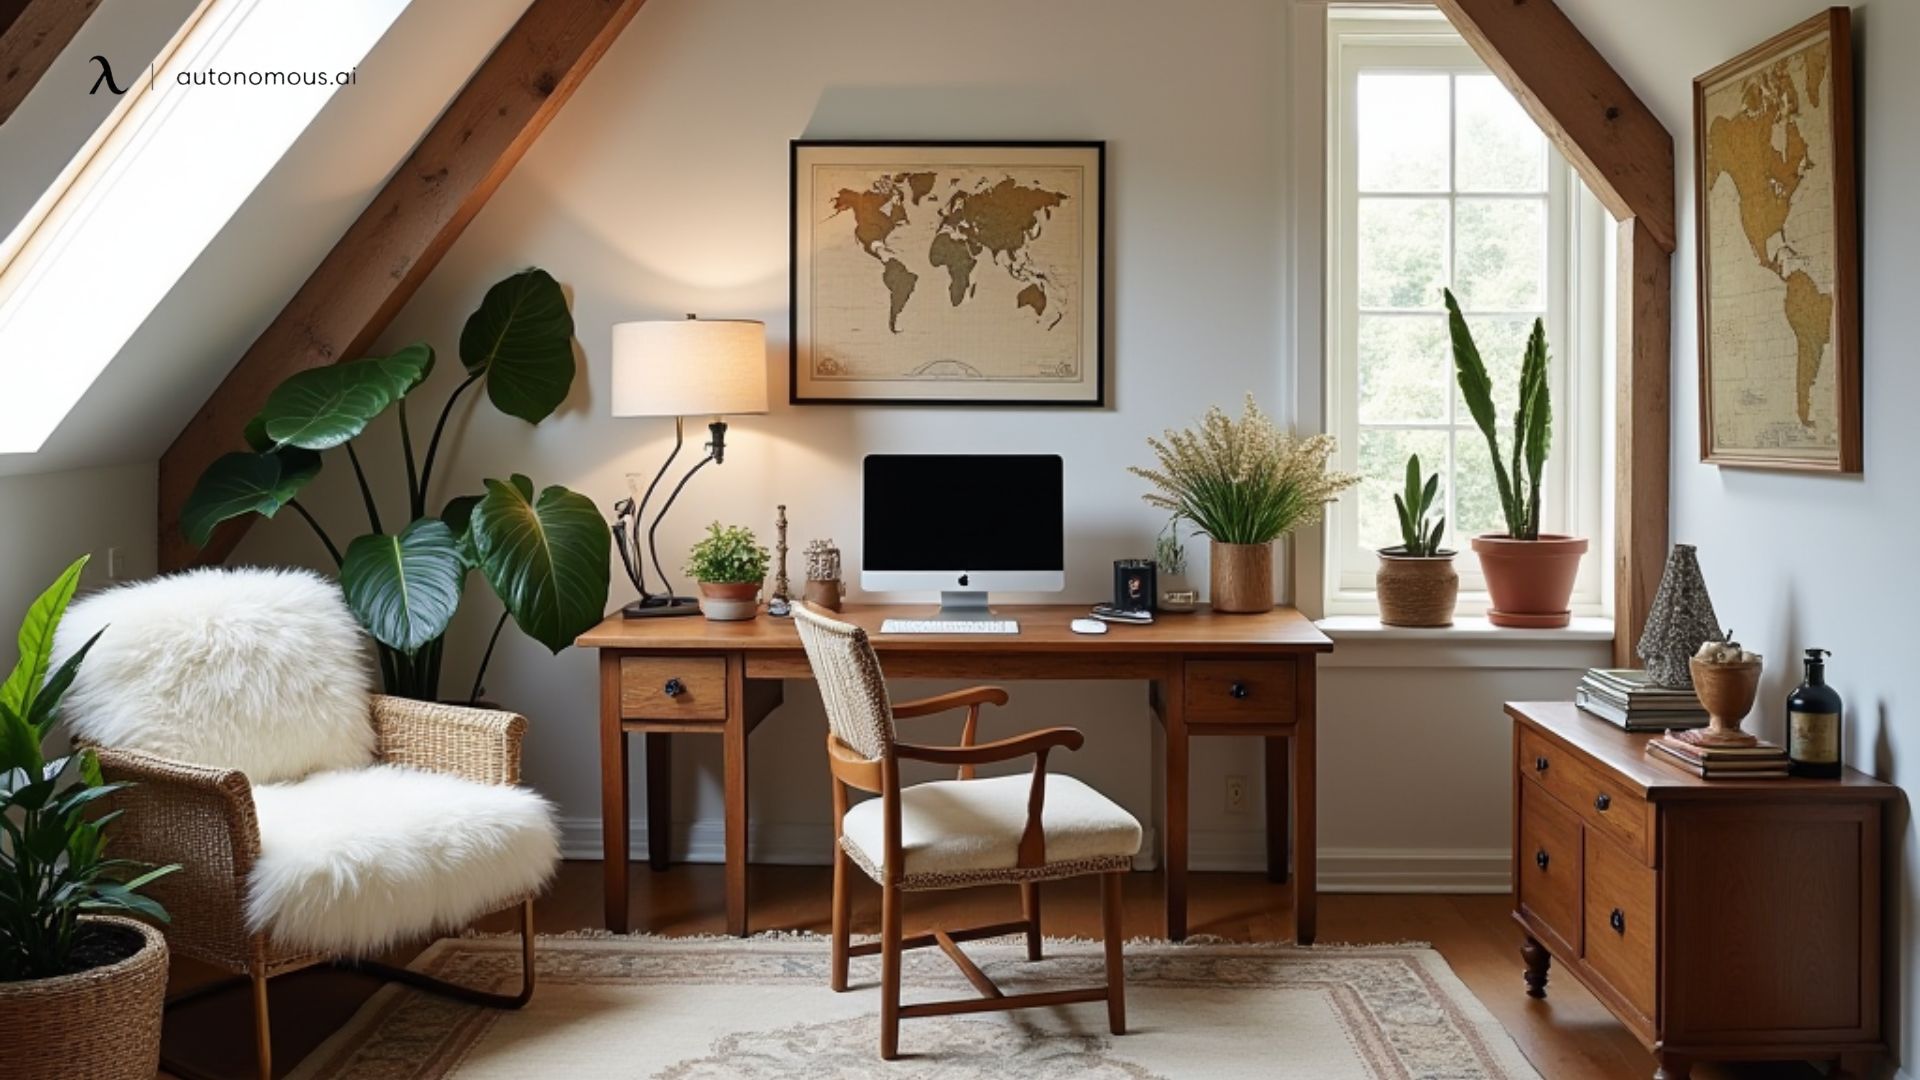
(1547, 880)
(1619, 921)
(673, 688)
(1257, 691)
(1600, 801)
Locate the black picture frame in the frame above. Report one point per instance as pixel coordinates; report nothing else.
(1098, 273)
(1135, 584)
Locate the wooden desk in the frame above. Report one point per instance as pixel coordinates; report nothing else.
(1208, 674)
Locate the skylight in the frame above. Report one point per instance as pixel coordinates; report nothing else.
(192, 139)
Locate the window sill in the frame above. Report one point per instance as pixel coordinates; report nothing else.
(1362, 641)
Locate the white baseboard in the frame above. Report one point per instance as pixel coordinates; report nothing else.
(1349, 869)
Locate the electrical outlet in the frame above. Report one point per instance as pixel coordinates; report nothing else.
(1236, 794)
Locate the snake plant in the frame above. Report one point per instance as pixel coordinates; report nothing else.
(1417, 538)
(1519, 481)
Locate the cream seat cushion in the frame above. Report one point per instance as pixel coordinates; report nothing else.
(967, 832)
(356, 860)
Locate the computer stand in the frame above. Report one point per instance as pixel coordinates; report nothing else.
(963, 606)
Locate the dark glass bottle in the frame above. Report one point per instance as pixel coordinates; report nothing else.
(1813, 723)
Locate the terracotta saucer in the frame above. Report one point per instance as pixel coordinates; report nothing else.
(1532, 621)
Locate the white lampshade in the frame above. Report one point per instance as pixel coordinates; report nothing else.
(689, 367)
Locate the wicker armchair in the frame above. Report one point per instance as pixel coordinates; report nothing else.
(203, 819)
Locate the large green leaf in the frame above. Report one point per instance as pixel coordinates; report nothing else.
(36, 640)
(325, 406)
(241, 483)
(404, 588)
(405, 369)
(546, 558)
(521, 339)
(458, 514)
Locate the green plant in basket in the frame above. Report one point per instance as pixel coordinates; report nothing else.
(1419, 535)
(53, 862)
(728, 555)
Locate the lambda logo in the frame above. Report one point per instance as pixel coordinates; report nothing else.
(106, 76)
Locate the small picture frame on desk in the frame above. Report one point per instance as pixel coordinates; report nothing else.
(1134, 582)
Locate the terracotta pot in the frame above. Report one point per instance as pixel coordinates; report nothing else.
(729, 602)
(1530, 581)
(1416, 590)
(1242, 578)
(1727, 692)
(102, 1023)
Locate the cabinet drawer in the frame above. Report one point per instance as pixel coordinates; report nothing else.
(1619, 921)
(1259, 691)
(1611, 808)
(1547, 879)
(673, 688)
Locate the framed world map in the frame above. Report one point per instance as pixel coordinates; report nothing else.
(1779, 242)
(948, 273)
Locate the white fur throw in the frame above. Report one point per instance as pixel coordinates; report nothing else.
(357, 861)
(259, 670)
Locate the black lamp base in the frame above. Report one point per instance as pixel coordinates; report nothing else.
(655, 607)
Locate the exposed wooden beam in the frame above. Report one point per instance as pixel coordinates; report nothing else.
(1642, 447)
(1622, 150)
(30, 39)
(382, 259)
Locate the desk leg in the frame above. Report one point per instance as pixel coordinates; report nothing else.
(1279, 796)
(659, 798)
(613, 793)
(735, 738)
(1306, 898)
(1174, 844)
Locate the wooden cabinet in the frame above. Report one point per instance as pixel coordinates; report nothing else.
(1718, 920)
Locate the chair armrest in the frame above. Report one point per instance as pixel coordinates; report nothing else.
(1033, 742)
(479, 744)
(970, 697)
(202, 819)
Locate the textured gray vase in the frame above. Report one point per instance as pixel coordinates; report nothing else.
(1680, 620)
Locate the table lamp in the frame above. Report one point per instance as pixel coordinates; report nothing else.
(680, 368)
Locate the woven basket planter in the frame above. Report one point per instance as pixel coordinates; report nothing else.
(1416, 590)
(102, 1024)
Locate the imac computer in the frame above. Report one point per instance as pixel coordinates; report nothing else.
(963, 524)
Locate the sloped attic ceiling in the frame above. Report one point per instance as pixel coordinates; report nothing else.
(258, 259)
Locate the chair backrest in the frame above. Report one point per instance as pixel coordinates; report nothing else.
(265, 671)
(851, 685)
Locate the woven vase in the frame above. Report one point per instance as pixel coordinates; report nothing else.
(1242, 578)
(101, 1024)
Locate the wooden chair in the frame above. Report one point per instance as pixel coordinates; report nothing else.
(954, 834)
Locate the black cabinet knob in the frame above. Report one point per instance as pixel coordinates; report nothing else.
(1618, 920)
(1237, 690)
(674, 688)
(1540, 858)
(1601, 802)
(1540, 764)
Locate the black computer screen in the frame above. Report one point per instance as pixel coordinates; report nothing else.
(964, 512)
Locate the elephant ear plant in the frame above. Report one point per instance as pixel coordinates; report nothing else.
(53, 864)
(544, 554)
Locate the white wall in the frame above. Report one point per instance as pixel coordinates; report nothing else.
(662, 189)
(1797, 560)
(50, 519)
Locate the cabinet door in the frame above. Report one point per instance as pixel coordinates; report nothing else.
(1547, 879)
(1619, 921)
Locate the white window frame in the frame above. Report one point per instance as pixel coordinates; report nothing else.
(1577, 301)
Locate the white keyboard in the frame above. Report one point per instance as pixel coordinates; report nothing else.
(949, 626)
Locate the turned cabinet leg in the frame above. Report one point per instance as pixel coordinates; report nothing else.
(1538, 960)
(1673, 1067)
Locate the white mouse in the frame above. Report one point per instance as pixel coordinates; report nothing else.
(1087, 626)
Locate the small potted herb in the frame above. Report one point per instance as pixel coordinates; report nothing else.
(730, 565)
(1170, 556)
(1417, 584)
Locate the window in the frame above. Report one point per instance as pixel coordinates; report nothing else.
(1438, 179)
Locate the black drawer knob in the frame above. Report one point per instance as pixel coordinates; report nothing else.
(1540, 764)
(1540, 858)
(1618, 920)
(1237, 690)
(674, 688)
(1601, 802)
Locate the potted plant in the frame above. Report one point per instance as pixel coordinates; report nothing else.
(1529, 574)
(729, 564)
(1244, 484)
(1170, 556)
(545, 555)
(1416, 583)
(82, 987)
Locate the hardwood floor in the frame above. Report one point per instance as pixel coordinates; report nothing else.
(1567, 1037)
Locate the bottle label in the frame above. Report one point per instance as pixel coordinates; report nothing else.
(1814, 737)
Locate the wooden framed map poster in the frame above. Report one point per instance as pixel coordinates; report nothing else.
(948, 273)
(1779, 240)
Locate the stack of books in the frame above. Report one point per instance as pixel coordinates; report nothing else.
(1630, 699)
(1761, 761)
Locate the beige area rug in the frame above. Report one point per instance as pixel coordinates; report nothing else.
(760, 1009)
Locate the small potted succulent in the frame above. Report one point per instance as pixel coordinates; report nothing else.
(82, 987)
(1170, 556)
(1416, 583)
(1529, 573)
(730, 565)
